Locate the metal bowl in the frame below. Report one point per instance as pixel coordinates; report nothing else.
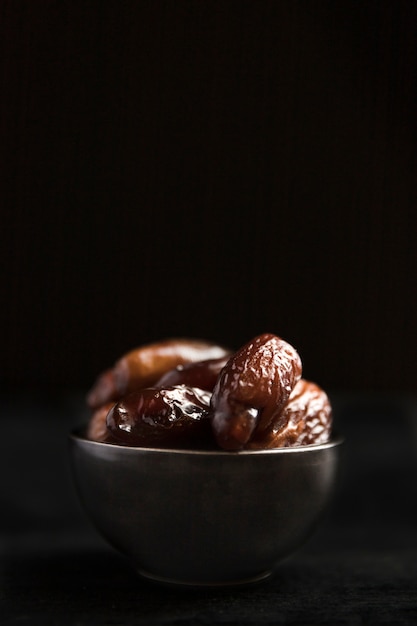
(204, 517)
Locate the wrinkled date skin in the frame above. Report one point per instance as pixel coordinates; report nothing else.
(305, 419)
(202, 374)
(182, 393)
(252, 389)
(143, 366)
(169, 417)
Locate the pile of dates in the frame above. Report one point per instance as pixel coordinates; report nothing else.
(183, 393)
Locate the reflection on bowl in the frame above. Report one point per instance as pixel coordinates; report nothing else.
(204, 517)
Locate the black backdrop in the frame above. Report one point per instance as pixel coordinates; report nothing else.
(209, 169)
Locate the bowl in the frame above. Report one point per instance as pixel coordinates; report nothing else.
(194, 517)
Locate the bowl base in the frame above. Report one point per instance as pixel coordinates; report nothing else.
(210, 583)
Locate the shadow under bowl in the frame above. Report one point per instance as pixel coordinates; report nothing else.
(195, 517)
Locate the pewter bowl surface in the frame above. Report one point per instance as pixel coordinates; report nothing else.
(204, 517)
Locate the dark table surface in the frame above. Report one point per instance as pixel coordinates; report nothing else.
(360, 566)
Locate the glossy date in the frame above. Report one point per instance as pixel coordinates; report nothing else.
(143, 366)
(171, 416)
(252, 389)
(193, 394)
(305, 419)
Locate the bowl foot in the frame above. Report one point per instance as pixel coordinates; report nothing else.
(162, 580)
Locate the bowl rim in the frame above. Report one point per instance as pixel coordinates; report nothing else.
(77, 435)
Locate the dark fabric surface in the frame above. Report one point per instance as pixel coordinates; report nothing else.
(360, 566)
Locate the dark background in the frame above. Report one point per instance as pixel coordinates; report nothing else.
(208, 169)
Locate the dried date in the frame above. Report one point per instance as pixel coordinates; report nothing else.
(202, 374)
(170, 417)
(143, 366)
(252, 389)
(306, 419)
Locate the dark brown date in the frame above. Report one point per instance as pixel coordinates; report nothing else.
(306, 419)
(171, 417)
(202, 374)
(182, 393)
(97, 426)
(143, 366)
(252, 389)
